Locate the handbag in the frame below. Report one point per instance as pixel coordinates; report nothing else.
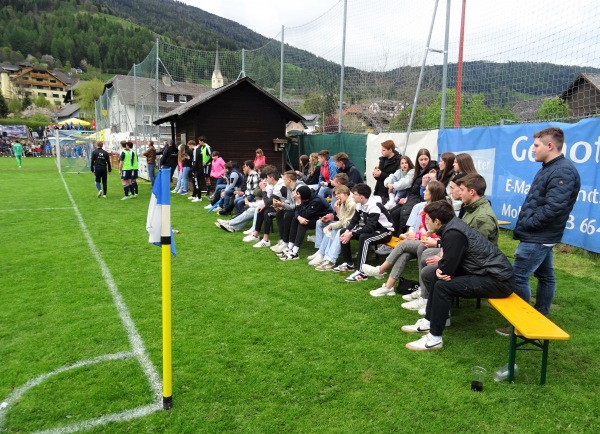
(406, 286)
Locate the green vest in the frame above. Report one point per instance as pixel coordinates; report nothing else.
(134, 160)
(127, 160)
(206, 153)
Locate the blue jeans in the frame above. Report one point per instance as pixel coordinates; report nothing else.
(536, 259)
(182, 181)
(151, 172)
(319, 232)
(330, 248)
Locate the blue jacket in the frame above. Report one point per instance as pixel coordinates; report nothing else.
(550, 199)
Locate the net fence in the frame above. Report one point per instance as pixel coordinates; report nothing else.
(73, 149)
(523, 62)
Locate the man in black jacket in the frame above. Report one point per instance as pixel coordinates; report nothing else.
(543, 218)
(389, 162)
(471, 267)
(169, 157)
(100, 165)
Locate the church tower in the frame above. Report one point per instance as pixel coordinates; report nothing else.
(217, 77)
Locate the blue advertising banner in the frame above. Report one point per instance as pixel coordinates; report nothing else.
(503, 156)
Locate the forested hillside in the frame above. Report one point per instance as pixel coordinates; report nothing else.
(112, 35)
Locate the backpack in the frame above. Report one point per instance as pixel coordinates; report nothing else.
(406, 286)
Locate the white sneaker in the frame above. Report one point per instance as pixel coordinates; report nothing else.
(421, 326)
(426, 343)
(422, 311)
(196, 199)
(222, 221)
(384, 250)
(384, 290)
(417, 304)
(248, 231)
(412, 296)
(209, 206)
(262, 243)
(316, 260)
(310, 238)
(175, 190)
(375, 272)
(250, 238)
(313, 256)
(217, 209)
(99, 193)
(191, 197)
(279, 248)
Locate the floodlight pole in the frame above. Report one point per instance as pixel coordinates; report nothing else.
(445, 67)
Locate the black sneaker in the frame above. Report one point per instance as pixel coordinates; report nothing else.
(223, 212)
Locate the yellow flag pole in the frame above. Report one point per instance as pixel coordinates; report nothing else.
(165, 235)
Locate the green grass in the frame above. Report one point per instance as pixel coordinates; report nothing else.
(259, 345)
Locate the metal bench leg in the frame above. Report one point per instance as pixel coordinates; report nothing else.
(512, 355)
(544, 361)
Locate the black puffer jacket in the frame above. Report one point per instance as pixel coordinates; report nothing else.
(551, 198)
(387, 166)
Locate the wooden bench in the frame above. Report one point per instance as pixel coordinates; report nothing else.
(393, 242)
(530, 327)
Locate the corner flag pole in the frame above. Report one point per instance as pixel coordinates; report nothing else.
(165, 241)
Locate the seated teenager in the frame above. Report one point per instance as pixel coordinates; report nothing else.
(266, 212)
(370, 225)
(285, 215)
(471, 267)
(398, 184)
(251, 203)
(309, 208)
(408, 248)
(339, 179)
(330, 246)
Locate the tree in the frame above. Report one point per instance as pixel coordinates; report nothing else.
(15, 106)
(86, 93)
(3, 107)
(41, 101)
(319, 104)
(26, 102)
(552, 109)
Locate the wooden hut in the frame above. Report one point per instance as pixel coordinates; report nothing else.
(236, 119)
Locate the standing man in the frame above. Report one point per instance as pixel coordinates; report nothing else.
(169, 157)
(150, 155)
(18, 152)
(543, 218)
(101, 168)
(206, 153)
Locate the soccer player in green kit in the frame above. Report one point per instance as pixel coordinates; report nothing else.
(18, 151)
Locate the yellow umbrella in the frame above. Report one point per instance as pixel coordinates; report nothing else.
(74, 121)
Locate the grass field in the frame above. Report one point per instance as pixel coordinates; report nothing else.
(259, 345)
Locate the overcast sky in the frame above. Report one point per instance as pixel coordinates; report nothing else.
(383, 34)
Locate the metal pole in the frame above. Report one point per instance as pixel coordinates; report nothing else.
(135, 107)
(342, 67)
(460, 66)
(243, 62)
(281, 68)
(445, 68)
(156, 113)
(414, 107)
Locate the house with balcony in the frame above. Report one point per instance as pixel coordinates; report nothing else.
(17, 81)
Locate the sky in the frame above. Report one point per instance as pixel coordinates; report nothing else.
(384, 34)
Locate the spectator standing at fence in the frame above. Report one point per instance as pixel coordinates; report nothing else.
(150, 155)
(126, 171)
(542, 219)
(18, 152)
(100, 166)
(388, 164)
(169, 157)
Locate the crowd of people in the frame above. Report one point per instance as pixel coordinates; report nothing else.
(438, 209)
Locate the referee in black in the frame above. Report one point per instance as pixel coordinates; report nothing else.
(101, 167)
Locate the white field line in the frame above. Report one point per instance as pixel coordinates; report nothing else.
(138, 351)
(35, 209)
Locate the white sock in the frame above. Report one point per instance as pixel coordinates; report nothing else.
(290, 245)
(434, 338)
(426, 322)
(295, 250)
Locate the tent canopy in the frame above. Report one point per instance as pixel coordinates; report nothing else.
(74, 121)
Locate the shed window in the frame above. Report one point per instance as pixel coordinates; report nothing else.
(170, 98)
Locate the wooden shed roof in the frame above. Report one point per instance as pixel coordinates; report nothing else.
(593, 79)
(203, 98)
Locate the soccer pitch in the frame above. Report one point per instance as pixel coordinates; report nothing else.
(259, 345)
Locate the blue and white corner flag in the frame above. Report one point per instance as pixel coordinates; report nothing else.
(158, 223)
